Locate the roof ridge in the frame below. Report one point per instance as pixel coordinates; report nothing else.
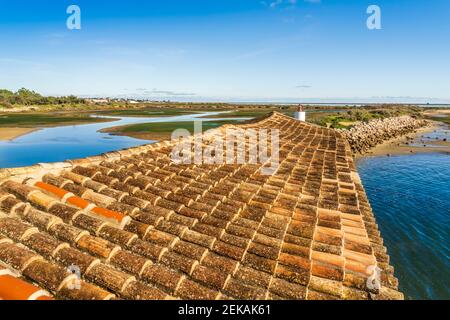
(40, 169)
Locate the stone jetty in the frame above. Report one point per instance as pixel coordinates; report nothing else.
(365, 136)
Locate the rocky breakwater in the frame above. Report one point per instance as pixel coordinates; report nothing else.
(366, 136)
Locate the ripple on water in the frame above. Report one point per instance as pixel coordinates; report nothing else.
(410, 196)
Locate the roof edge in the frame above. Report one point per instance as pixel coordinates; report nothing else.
(40, 169)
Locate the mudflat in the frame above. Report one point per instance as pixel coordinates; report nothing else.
(411, 144)
(7, 133)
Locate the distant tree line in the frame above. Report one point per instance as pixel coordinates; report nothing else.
(25, 97)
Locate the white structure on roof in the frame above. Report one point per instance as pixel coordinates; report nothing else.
(300, 114)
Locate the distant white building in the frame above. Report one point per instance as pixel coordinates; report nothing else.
(98, 100)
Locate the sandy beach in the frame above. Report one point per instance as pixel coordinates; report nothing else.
(412, 143)
(438, 112)
(7, 134)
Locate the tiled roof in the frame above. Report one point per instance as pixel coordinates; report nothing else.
(137, 226)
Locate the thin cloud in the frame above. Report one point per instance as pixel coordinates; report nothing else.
(279, 3)
(285, 3)
(303, 87)
(156, 92)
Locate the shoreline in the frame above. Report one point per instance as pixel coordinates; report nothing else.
(10, 133)
(400, 145)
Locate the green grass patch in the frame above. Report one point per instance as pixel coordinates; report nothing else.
(445, 119)
(244, 114)
(341, 120)
(250, 113)
(164, 127)
(151, 112)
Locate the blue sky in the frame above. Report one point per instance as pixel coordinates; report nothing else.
(230, 50)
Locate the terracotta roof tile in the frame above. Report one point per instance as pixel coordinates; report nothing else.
(211, 277)
(44, 244)
(189, 289)
(50, 276)
(146, 249)
(97, 247)
(71, 256)
(16, 257)
(109, 278)
(118, 236)
(287, 289)
(15, 229)
(163, 276)
(240, 290)
(220, 262)
(140, 291)
(138, 226)
(14, 288)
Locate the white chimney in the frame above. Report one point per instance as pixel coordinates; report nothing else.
(300, 114)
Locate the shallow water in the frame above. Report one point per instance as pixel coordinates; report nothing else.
(432, 139)
(410, 197)
(78, 141)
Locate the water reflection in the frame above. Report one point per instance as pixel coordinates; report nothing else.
(78, 141)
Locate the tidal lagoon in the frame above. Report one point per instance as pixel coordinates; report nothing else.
(410, 197)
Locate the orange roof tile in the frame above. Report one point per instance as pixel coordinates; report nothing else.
(13, 288)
